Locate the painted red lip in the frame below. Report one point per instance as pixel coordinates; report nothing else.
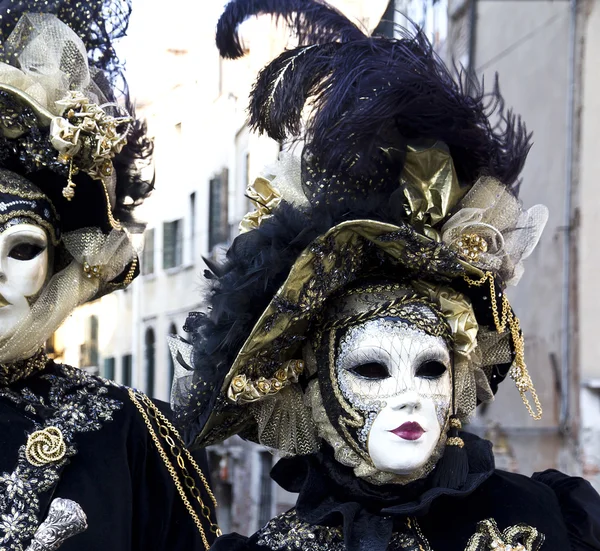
(409, 431)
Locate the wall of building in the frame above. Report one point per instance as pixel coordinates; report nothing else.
(589, 261)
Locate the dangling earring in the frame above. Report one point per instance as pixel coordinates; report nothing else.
(453, 467)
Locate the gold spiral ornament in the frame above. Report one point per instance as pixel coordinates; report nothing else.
(45, 446)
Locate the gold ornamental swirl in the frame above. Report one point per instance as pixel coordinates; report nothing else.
(45, 446)
(521, 537)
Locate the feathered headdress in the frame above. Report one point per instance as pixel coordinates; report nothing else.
(401, 173)
(68, 123)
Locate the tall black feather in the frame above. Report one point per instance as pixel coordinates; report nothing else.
(371, 95)
(284, 87)
(314, 22)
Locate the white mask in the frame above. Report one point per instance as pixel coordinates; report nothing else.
(400, 377)
(24, 269)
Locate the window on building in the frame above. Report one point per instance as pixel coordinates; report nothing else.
(88, 352)
(193, 226)
(265, 503)
(148, 253)
(218, 225)
(109, 368)
(172, 244)
(127, 369)
(430, 15)
(150, 358)
(172, 331)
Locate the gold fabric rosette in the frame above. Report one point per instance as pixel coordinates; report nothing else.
(265, 197)
(430, 184)
(280, 181)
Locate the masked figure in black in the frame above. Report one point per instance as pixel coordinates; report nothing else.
(361, 315)
(84, 463)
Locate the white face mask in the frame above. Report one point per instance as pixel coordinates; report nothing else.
(400, 377)
(24, 268)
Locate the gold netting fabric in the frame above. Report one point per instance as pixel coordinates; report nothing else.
(45, 59)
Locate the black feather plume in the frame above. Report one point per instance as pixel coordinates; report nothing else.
(373, 95)
(284, 87)
(314, 22)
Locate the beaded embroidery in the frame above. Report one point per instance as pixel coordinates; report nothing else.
(78, 404)
(287, 532)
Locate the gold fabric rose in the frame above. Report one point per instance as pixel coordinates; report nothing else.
(64, 137)
(430, 184)
(243, 390)
(266, 198)
(45, 446)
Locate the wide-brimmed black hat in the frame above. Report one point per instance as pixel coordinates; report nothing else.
(401, 175)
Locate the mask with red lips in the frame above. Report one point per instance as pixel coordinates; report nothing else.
(385, 374)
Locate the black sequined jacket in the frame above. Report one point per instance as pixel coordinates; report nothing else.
(494, 511)
(66, 435)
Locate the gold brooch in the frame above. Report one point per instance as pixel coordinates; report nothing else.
(471, 245)
(45, 446)
(91, 271)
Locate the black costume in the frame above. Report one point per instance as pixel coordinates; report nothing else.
(112, 467)
(336, 512)
(84, 463)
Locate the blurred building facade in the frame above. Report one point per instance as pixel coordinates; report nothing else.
(545, 52)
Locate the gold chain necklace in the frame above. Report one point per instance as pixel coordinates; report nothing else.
(180, 456)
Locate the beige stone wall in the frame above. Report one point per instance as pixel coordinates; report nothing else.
(527, 43)
(589, 259)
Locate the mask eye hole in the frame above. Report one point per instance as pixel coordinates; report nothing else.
(371, 370)
(430, 369)
(25, 251)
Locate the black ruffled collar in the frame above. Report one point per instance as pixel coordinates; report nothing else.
(330, 494)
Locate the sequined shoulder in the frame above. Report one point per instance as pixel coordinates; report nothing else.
(287, 532)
